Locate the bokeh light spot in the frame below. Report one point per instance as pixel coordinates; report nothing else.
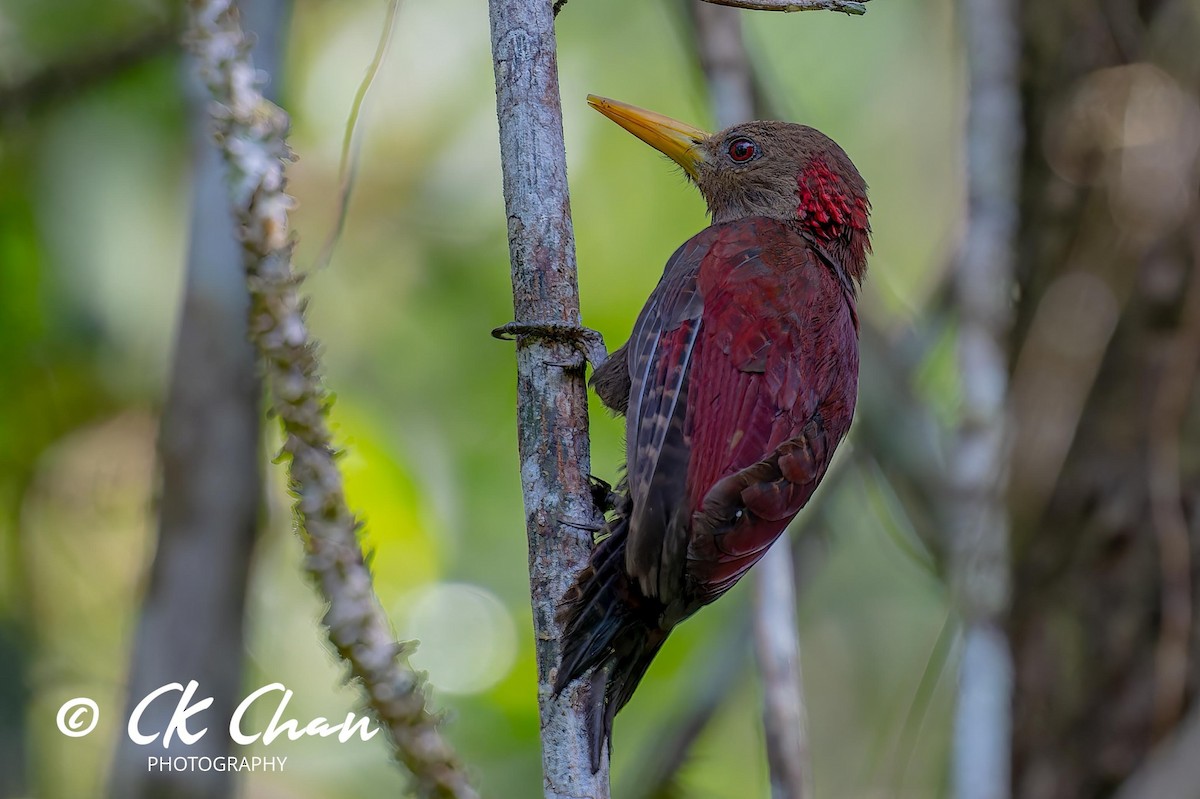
(467, 637)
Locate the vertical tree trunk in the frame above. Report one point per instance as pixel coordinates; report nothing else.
(978, 464)
(1106, 463)
(552, 415)
(191, 625)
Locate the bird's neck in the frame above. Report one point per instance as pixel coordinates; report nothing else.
(835, 215)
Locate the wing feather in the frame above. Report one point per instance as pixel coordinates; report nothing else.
(657, 451)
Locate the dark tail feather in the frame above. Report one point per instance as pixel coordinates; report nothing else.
(610, 627)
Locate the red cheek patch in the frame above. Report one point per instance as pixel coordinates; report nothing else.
(825, 206)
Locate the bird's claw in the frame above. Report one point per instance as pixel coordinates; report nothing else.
(591, 527)
(594, 348)
(589, 342)
(602, 494)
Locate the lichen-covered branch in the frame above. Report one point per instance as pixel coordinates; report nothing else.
(552, 416)
(842, 6)
(191, 619)
(978, 465)
(251, 135)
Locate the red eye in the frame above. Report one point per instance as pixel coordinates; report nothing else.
(742, 150)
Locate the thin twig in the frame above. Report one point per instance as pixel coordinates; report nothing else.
(552, 418)
(251, 134)
(841, 6)
(351, 141)
(978, 518)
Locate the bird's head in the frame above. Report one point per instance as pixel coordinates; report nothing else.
(774, 169)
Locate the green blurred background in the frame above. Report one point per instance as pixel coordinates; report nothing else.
(93, 232)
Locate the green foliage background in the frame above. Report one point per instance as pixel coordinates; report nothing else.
(93, 194)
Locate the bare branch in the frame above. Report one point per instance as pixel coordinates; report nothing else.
(726, 64)
(82, 71)
(551, 394)
(979, 524)
(777, 645)
(251, 134)
(841, 6)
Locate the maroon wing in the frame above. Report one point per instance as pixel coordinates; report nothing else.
(656, 450)
(744, 372)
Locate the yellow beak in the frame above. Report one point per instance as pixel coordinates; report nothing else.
(672, 138)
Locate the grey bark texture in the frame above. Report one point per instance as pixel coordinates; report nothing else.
(978, 464)
(552, 418)
(191, 624)
(251, 133)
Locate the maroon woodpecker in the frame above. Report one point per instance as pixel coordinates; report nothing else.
(737, 384)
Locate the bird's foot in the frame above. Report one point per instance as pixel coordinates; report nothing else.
(591, 527)
(602, 494)
(589, 342)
